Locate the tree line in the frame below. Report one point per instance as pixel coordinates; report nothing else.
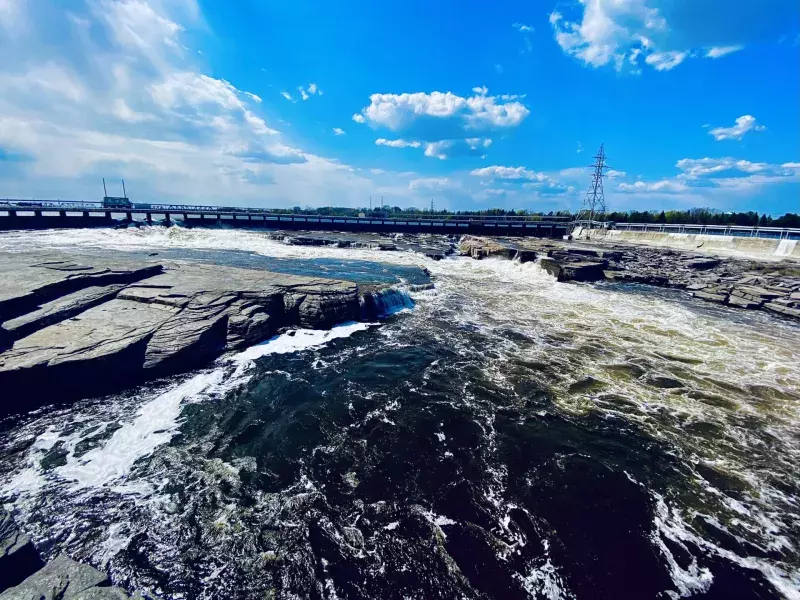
(694, 216)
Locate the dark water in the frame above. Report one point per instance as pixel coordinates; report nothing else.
(510, 437)
(358, 271)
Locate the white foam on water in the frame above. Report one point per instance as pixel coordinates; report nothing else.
(154, 425)
(785, 247)
(157, 420)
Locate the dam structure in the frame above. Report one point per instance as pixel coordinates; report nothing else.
(51, 214)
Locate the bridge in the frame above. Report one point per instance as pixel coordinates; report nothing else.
(51, 214)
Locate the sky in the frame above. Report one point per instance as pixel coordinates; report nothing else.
(471, 105)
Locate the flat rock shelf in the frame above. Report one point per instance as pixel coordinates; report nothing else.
(72, 326)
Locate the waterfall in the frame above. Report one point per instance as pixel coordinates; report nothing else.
(384, 302)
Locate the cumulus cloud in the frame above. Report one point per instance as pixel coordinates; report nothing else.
(397, 143)
(498, 172)
(338, 131)
(693, 168)
(711, 178)
(742, 125)
(445, 149)
(663, 186)
(522, 27)
(286, 95)
(141, 108)
(621, 33)
(442, 115)
(359, 118)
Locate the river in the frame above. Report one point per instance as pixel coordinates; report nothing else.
(500, 436)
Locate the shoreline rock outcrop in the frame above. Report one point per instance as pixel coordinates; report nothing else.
(734, 282)
(80, 326)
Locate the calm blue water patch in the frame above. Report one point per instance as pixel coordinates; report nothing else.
(357, 271)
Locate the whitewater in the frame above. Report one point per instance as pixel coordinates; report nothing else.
(499, 435)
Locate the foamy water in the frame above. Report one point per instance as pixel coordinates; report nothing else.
(718, 389)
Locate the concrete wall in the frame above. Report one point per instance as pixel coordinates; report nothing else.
(724, 245)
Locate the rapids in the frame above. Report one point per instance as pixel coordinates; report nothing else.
(508, 436)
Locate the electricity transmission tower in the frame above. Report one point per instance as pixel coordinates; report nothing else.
(594, 205)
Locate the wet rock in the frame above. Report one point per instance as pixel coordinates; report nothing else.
(63, 578)
(18, 557)
(573, 271)
(718, 298)
(176, 318)
(703, 264)
(739, 302)
(665, 382)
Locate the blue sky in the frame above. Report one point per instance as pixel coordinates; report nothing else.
(328, 103)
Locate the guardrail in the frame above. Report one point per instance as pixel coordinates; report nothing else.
(78, 205)
(780, 233)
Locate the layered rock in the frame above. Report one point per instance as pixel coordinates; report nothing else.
(74, 329)
(18, 557)
(66, 579)
(741, 284)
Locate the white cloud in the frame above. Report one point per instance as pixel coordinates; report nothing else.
(444, 149)
(438, 114)
(712, 180)
(622, 32)
(431, 184)
(743, 124)
(482, 90)
(123, 112)
(397, 143)
(580, 148)
(338, 131)
(665, 61)
(499, 172)
(286, 95)
(694, 168)
(142, 109)
(359, 118)
(662, 186)
(522, 27)
(719, 51)
(498, 68)
(312, 90)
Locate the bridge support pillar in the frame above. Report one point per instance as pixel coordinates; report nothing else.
(62, 213)
(219, 218)
(108, 215)
(12, 213)
(149, 217)
(166, 218)
(129, 217)
(37, 213)
(86, 214)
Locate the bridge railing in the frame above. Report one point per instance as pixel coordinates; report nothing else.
(78, 205)
(730, 230)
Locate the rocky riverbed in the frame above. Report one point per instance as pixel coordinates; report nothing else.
(73, 325)
(735, 282)
(482, 442)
